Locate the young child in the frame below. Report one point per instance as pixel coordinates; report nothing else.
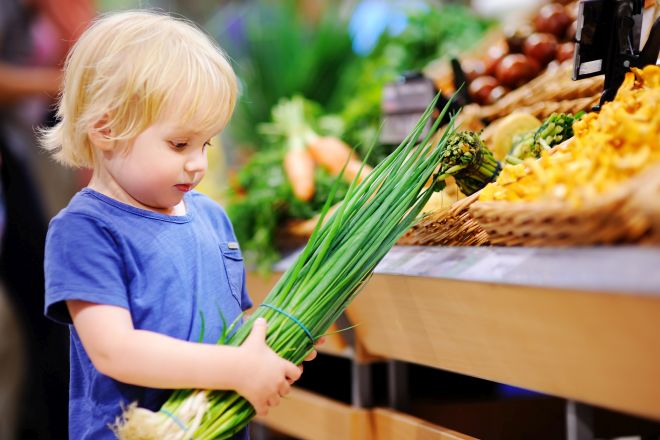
(139, 263)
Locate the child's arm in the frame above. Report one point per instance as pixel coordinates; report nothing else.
(150, 359)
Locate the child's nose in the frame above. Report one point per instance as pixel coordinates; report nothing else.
(196, 162)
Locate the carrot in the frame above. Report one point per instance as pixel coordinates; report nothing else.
(299, 168)
(353, 168)
(331, 153)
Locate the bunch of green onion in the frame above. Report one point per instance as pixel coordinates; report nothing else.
(331, 270)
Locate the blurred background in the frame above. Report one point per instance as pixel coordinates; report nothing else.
(326, 63)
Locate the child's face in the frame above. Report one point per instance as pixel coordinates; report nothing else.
(158, 167)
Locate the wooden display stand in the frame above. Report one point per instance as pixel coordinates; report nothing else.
(579, 324)
(388, 424)
(601, 349)
(307, 415)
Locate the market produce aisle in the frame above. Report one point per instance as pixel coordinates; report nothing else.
(578, 323)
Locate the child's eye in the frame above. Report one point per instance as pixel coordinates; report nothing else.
(179, 145)
(207, 144)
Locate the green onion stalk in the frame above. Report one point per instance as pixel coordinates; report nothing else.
(469, 161)
(334, 266)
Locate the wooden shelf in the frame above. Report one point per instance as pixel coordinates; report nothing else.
(601, 349)
(580, 324)
(307, 415)
(388, 424)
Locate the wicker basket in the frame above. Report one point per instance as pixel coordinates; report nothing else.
(628, 214)
(553, 91)
(453, 226)
(554, 85)
(544, 109)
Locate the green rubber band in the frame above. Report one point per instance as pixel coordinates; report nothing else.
(292, 318)
(176, 420)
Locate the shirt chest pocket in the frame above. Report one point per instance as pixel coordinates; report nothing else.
(233, 261)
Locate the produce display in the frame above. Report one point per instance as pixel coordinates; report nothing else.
(551, 92)
(527, 113)
(609, 147)
(522, 55)
(305, 149)
(518, 137)
(287, 179)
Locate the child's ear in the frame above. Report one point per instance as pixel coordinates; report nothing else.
(100, 135)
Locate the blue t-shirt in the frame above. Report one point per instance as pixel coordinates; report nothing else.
(176, 275)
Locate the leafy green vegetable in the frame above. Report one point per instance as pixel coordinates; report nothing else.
(434, 34)
(268, 203)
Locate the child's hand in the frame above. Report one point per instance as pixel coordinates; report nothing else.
(311, 356)
(264, 376)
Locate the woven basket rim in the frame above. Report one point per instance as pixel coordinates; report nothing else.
(562, 208)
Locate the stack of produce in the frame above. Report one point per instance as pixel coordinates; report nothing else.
(554, 130)
(520, 137)
(527, 71)
(282, 182)
(512, 62)
(332, 269)
(590, 190)
(304, 149)
(554, 91)
(285, 183)
(608, 148)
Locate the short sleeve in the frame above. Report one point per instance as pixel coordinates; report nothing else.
(83, 261)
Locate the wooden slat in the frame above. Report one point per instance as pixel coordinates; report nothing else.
(258, 286)
(388, 424)
(593, 347)
(307, 415)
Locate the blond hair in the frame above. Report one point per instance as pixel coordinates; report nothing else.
(126, 69)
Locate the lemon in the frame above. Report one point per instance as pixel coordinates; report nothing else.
(441, 200)
(507, 128)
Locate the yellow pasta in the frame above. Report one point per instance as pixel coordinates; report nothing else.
(608, 148)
